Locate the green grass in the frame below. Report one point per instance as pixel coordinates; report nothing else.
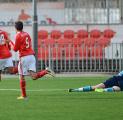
(54, 102)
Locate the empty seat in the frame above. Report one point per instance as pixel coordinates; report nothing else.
(108, 33)
(95, 33)
(42, 34)
(83, 52)
(82, 34)
(68, 34)
(43, 53)
(76, 42)
(104, 42)
(87, 42)
(93, 42)
(96, 52)
(55, 34)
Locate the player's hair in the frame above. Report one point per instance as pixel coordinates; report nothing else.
(19, 25)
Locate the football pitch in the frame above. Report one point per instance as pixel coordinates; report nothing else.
(49, 99)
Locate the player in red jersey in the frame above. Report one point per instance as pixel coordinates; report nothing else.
(27, 63)
(5, 54)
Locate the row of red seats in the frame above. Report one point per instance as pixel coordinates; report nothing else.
(75, 42)
(69, 34)
(68, 53)
(71, 47)
(67, 46)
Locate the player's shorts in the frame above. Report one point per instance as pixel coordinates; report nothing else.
(26, 64)
(114, 81)
(4, 63)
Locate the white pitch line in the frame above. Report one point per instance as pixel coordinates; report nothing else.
(33, 90)
(9, 89)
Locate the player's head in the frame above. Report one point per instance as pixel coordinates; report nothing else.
(19, 26)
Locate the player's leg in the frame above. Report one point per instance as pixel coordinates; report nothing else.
(87, 88)
(9, 66)
(81, 89)
(12, 70)
(110, 89)
(106, 86)
(22, 72)
(111, 85)
(23, 88)
(36, 75)
(32, 69)
(2, 66)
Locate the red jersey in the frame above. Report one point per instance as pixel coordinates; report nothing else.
(4, 46)
(23, 44)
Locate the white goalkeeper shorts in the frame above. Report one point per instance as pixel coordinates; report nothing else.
(26, 64)
(4, 63)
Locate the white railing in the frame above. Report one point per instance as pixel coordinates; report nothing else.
(80, 58)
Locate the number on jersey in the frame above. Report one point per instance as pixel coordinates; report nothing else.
(2, 41)
(27, 43)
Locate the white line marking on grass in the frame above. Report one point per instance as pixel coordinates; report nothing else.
(39, 90)
(9, 89)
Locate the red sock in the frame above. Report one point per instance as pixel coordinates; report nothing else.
(23, 87)
(41, 73)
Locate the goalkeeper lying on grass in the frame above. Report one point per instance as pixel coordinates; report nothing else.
(113, 84)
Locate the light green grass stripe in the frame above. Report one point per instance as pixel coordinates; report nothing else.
(34, 90)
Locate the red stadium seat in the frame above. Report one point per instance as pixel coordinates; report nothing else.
(87, 42)
(68, 34)
(42, 34)
(82, 34)
(96, 52)
(95, 33)
(108, 33)
(43, 53)
(83, 52)
(77, 42)
(104, 42)
(56, 53)
(65, 48)
(55, 34)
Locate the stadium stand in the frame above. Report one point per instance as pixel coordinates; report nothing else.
(71, 44)
(69, 34)
(55, 34)
(95, 33)
(108, 33)
(42, 34)
(82, 34)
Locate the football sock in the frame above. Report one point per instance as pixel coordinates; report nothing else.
(23, 87)
(41, 73)
(87, 88)
(109, 89)
(83, 89)
(77, 90)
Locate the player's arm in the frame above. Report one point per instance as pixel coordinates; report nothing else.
(11, 45)
(17, 44)
(7, 39)
(8, 42)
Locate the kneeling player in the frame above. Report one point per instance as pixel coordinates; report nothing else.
(113, 84)
(27, 63)
(5, 54)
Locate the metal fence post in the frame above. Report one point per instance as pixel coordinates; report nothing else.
(35, 31)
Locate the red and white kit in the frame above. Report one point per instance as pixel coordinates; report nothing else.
(5, 54)
(27, 59)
